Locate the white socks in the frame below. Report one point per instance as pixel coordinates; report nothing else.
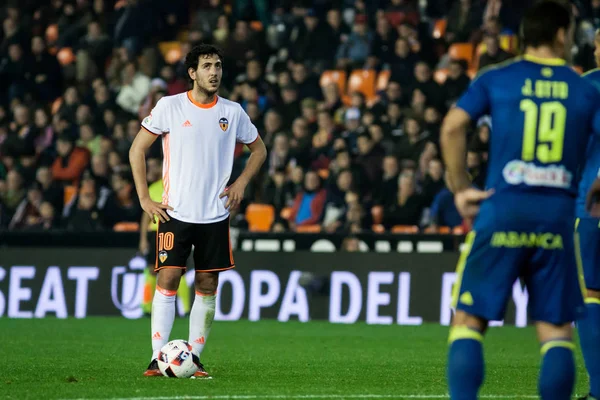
(201, 319)
(163, 316)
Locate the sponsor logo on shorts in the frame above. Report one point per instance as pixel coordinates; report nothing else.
(224, 124)
(162, 256)
(545, 240)
(517, 172)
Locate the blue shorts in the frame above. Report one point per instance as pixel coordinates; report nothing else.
(542, 253)
(587, 239)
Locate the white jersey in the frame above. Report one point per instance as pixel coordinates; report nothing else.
(198, 145)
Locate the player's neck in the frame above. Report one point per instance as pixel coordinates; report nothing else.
(202, 97)
(542, 52)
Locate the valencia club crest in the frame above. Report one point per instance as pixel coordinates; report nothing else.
(223, 123)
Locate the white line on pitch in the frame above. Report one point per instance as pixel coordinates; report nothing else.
(314, 396)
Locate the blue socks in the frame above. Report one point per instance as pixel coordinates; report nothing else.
(465, 363)
(589, 338)
(557, 376)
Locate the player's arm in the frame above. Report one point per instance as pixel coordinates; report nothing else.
(453, 141)
(144, 246)
(235, 192)
(137, 159)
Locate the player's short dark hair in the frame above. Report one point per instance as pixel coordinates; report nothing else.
(192, 58)
(543, 20)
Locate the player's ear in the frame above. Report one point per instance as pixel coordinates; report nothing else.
(192, 73)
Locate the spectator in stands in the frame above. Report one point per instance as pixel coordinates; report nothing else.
(307, 84)
(300, 143)
(71, 161)
(27, 212)
(309, 112)
(135, 87)
(122, 205)
(52, 192)
(279, 156)
(308, 205)
(46, 220)
(464, 18)
(413, 142)
(370, 157)
(44, 135)
(315, 42)
(241, 46)
(335, 203)
(13, 79)
(273, 127)
(456, 82)
(350, 244)
(387, 188)
(354, 52)
(409, 204)
(332, 100)
(88, 139)
(429, 87)
(403, 63)
(384, 41)
(353, 128)
(278, 192)
(93, 50)
(433, 181)
(480, 142)
(44, 70)
(85, 217)
(493, 53)
(322, 140)
(12, 195)
(279, 225)
(290, 106)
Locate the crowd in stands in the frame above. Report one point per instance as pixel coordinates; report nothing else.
(348, 96)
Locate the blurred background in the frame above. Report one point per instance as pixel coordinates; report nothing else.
(348, 96)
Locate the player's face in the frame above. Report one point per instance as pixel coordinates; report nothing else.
(207, 77)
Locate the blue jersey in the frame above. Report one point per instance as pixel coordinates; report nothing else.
(592, 165)
(543, 115)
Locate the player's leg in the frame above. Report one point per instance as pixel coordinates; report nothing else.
(174, 246)
(555, 301)
(183, 293)
(587, 246)
(485, 276)
(150, 275)
(212, 253)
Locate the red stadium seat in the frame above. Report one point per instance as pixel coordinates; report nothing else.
(363, 81)
(337, 77)
(383, 79)
(439, 29)
(260, 217)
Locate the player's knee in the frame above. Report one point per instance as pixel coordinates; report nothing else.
(206, 282)
(168, 278)
(462, 318)
(592, 294)
(547, 332)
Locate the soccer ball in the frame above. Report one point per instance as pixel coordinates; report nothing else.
(177, 360)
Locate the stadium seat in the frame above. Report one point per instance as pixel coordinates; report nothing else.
(462, 51)
(126, 227)
(377, 214)
(308, 229)
(405, 229)
(69, 193)
(260, 217)
(440, 75)
(337, 77)
(444, 230)
(65, 56)
(383, 79)
(171, 51)
(363, 81)
(256, 26)
(51, 34)
(378, 228)
(286, 213)
(458, 230)
(439, 29)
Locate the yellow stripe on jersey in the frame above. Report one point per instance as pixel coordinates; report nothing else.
(460, 267)
(155, 191)
(578, 260)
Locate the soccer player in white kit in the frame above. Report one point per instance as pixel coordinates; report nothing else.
(199, 131)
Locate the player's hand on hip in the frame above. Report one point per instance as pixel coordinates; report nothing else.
(156, 210)
(592, 201)
(469, 200)
(235, 194)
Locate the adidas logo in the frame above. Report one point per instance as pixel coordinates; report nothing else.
(157, 336)
(200, 340)
(187, 123)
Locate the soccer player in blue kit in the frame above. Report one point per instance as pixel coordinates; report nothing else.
(587, 238)
(543, 115)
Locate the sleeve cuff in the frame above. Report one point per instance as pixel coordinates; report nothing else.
(149, 131)
(249, 143)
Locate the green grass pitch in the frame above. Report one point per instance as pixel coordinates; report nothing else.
(104, 358)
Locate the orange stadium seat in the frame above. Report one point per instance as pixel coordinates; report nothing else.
(70, 192)
(378, 228)
(363, 81)
(440, 75)
(308, 229)
(256, 26)
(332, 76)
(171, 51)
(458, 230)
(439, 29)
(444, 230)
(126, 227)
(405, 229)
(260, 217)
(383, 79)
(462, 51)
(65, 56)
(377, 214)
